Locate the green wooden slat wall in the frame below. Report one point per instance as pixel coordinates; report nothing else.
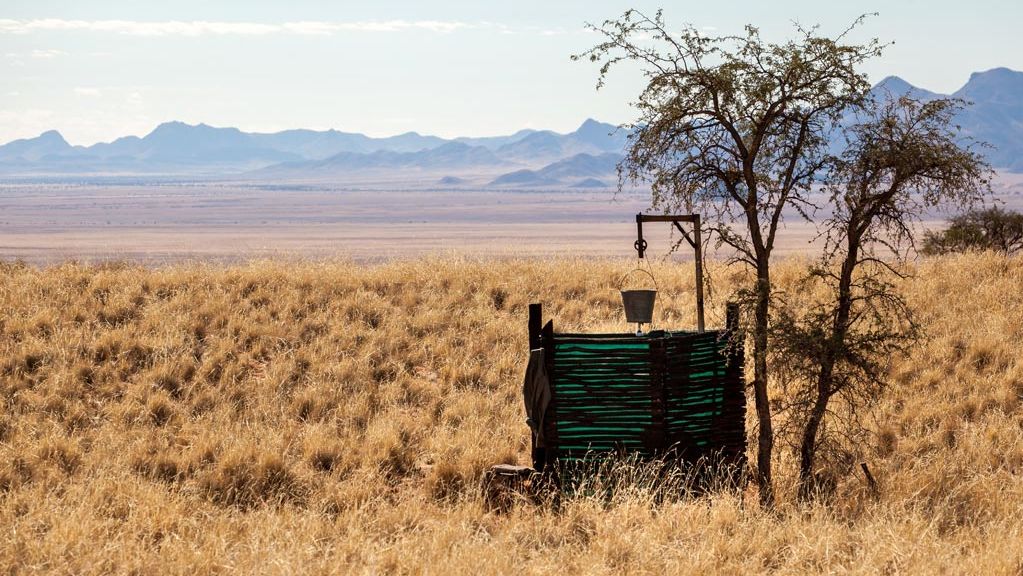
(655, 394)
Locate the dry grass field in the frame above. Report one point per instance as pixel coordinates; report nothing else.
(313, 418)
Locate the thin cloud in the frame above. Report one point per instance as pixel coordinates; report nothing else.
(202, 27)
(47, 54)
(88, 92)
(316, 27)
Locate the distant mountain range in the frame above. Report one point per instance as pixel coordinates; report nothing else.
(995, 115)
(178, 149)
(584, 158)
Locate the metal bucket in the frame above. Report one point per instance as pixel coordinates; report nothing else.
(639, 305)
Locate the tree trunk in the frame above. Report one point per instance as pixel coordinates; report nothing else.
(765, 439)
(808, 445)
(825, 378)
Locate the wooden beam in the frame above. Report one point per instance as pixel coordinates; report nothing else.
(669, 218)
(640, 242)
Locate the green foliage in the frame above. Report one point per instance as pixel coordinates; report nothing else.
(988, 229)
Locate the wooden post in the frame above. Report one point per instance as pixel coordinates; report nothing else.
(699, 272)
(537, 453)
(535, 325)
(541, 457)
(732, 316)
(640, 242)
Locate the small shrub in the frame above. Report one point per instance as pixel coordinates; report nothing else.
(248, 478)
(990, 229)
(62, 452)
(161, 410)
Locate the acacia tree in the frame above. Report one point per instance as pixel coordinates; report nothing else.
(902, 158)
(736, 128)
(988, 229)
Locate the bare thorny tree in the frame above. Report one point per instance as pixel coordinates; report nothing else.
(737, 128)
(902, 157)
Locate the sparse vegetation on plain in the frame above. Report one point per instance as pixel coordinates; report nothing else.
(337, 418)
(978, 230)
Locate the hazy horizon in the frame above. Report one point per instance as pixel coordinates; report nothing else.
(111, 68)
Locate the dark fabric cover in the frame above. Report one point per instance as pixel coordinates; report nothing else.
(536, 391)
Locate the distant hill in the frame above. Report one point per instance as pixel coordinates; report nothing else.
(495, 142)
(47, 144)
(591, 137)
(581, 166)
(523, 178)
(590, 183)
(452, 181)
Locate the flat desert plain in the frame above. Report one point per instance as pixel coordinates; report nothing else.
(166, 222)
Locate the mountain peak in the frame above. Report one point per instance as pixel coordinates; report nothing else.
(453, 146)
(32, 149)
(172, 127)
(176, 129)
(896, 87)
(1001, 77)
(996, 73)
(591, 127)
(177, 125)
(600, 137)
(52, 137)
(996, 85)
(894, 84)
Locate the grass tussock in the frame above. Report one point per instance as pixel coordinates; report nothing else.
(335, 418)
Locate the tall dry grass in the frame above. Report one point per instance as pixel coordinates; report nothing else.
(328, 417)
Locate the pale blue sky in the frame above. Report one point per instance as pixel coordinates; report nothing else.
(104, 68)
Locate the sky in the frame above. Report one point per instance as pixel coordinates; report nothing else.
(99, 69)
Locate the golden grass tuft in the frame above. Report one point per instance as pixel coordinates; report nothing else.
(337, 418)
